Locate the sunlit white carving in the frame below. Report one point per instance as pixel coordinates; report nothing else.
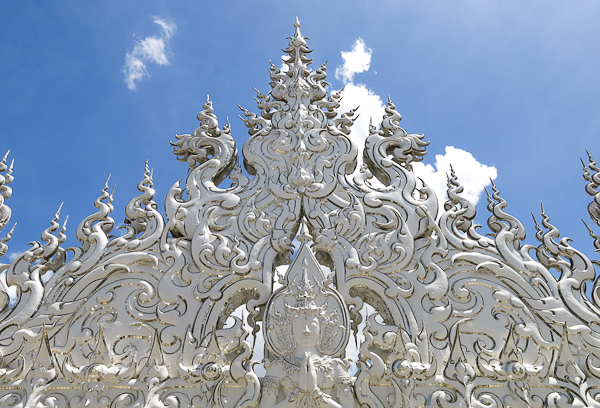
(306, 332)
(442, 314)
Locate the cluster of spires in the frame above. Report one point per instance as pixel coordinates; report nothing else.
(459, 212)
(465, 212)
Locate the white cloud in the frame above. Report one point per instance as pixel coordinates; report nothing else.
(284, 67)
(147, 50)
(356, 61)
(472, 175)
(10, 290)
(371, 107)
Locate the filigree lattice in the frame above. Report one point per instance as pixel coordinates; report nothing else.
(141, 319)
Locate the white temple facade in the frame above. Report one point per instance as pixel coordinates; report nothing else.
(151, 318)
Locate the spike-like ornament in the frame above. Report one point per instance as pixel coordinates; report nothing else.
(152, 318)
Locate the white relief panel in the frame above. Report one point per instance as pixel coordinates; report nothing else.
(461, 319)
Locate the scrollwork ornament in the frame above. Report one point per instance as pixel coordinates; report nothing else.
(309, 254)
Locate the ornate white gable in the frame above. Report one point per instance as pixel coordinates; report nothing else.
(461, 319)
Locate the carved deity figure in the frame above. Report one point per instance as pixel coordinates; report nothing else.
(307, 341)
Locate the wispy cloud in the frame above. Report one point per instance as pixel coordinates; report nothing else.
(152, 49)
(473, 175)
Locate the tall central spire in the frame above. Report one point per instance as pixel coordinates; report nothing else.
(297, 48)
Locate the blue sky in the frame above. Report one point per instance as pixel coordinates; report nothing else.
(513, 83)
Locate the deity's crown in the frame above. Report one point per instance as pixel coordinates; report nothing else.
(305, 297)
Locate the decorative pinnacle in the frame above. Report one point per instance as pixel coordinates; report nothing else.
(303, 234)
(3, 162)
(297, 48)
(297, 25)
(305, 292)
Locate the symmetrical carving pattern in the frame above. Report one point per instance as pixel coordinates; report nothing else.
(149, 318)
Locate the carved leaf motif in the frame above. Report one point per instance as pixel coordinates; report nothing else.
(152, 317)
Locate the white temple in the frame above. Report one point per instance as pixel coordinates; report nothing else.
(145, 319)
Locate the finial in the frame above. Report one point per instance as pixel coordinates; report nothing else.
(297, 25)
(539, 232)
(44, 357)
(58, 211)
(297, 50)
(62, 237)
(303, 235)
(3, 162)
(594, 236)
(9, 233)
(304, 292)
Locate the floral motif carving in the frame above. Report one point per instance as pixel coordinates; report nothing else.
(151, 318)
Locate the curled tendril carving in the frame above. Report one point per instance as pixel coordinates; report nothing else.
(172, 312)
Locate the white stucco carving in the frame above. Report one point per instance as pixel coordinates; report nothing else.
(306, 333)
(461, 319)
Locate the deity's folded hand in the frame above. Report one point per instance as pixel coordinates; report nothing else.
(312, 375)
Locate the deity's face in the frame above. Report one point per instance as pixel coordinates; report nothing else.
(305, 330)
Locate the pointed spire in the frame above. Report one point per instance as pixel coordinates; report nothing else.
(45, 357)
(62, 237)
(147, 181)
(549, 246)
(8, 169)
(213, 353)
(399, 348)
(303, 235)
(593, 180)
(297, 48)
(189, 344)
(458, 367)
(391, 119)
(53, 242)
(156, 357)
(297, 25)
(372, 127)
(305, 295)
(5, 190)
(45, 368)
(412, 148)
(101, 353)
(499, 220)
(595, 237)
(138, 212)
(5, 240)
(206, 117)
(566, 368)
(510, 351)
(192, 148)
(454, 188)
